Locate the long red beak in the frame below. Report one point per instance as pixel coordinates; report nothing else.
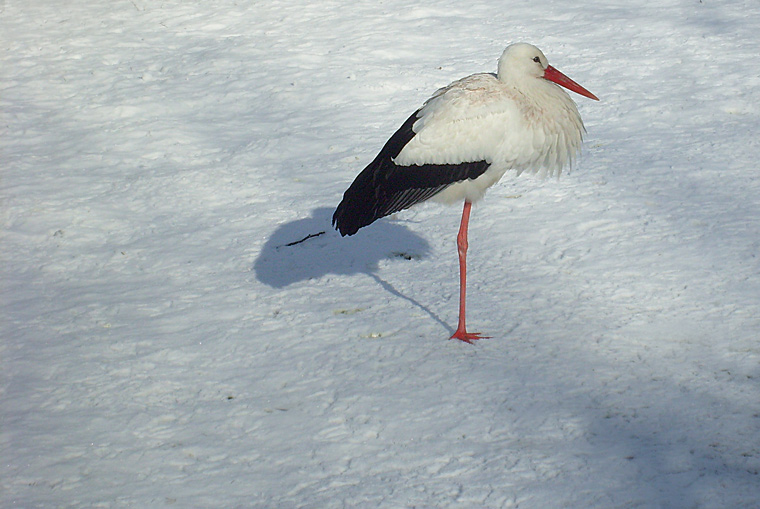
(557, 77)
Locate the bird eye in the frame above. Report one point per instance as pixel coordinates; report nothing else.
(537, 60)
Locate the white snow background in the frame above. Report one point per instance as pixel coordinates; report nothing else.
(163, 346)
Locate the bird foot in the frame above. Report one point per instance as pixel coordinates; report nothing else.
(468, 337)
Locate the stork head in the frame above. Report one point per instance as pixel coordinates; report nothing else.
(521, 62)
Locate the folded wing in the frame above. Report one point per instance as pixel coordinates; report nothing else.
(452, 138)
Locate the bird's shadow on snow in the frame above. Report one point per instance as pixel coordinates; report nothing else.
(310, 249)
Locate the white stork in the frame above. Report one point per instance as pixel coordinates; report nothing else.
(463, 139)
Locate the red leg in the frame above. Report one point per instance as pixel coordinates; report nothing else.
(461, 332)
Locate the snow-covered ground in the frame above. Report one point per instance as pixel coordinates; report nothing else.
(162, 345)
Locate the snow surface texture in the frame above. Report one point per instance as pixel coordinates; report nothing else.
(162, 345)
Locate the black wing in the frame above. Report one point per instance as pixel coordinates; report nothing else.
(384, 187)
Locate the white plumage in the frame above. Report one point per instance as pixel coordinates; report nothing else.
(487, 117)
(464, 139)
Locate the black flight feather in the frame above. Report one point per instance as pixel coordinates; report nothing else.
(384, 187)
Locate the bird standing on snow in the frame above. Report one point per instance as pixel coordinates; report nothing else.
(464, 139)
